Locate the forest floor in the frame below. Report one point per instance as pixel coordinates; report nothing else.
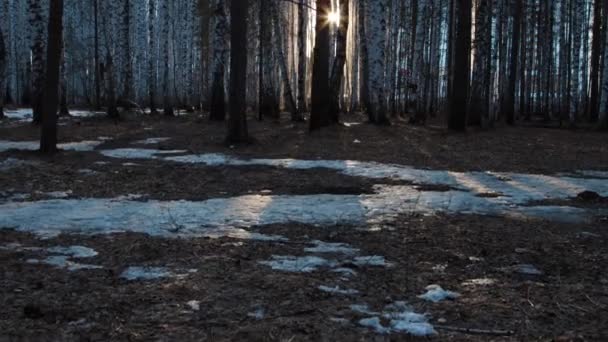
(514, 278)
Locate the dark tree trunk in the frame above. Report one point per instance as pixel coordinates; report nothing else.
(337, 71)
(96, 58)
(237, 125)
(596, 51)
(320, 71)
(457, 119)
(48, 136)
(510, 93)
(3, 68)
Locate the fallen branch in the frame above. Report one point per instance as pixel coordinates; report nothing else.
(476, 331)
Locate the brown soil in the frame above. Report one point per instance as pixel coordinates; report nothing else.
(522, 149)
(568, 302)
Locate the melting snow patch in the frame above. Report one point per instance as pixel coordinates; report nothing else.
(294, 264)
(338, 290)
(479, 282)
(58, 194)
(528, 269)
(80, 146)
(62, 261)
(145, 273)
(62, 256)
(436, 294)
(373, 260)
(326, 247)
(257, 314)
(151, 141)
(138, 153)
(74, 251)
(194, 305)
(11, 163)
(345, 271)
(401, 318)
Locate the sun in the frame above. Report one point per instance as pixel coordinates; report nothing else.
(333, 18)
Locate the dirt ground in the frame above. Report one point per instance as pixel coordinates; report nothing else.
(568, 301)
(519, 149)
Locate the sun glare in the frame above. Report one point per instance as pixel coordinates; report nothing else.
(334, 18)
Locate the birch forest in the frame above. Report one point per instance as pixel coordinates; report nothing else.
(304, 170)
(474, 62)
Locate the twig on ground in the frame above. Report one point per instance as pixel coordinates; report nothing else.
(476, 331)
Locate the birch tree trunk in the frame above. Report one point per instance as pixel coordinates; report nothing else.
(218, 61)
(302, 20)
(337, 71)
(152, 77)
(288, 95)
(38, 32)
(478, 109)
(603, 110)
(376, 58)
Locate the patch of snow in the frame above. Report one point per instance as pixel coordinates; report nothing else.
(402, 320)
(74, 251)
(374, 324)
(80, 146)
(479, 282)
(194, 305)
(130, 164)
(338, 290)
(294, 264)
(62, 261)
(363, 309)
(339, 320)
(592, 173)
(26, 114)
(58, 194)
(327, 247)
(372, 260)
(436, 294)
(257, 314)
(138, 153)
(61, 256)
(345, 271)
(87, 172)
(12, 163)
(528, 269)
(145, 273)
(151, 141)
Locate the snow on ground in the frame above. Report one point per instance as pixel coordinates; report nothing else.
(80, 146)
(138, 153)
(327, 247)
(305, 264)
(338, 290)
(25, 114)
(58, 256)
(12, 163)
(145, 273)
(151, 141)
(132, 273)
(401, 317)
(436, 294)
(230, 216)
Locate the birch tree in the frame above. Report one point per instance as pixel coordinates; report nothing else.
(218, 61)
(376, 55)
